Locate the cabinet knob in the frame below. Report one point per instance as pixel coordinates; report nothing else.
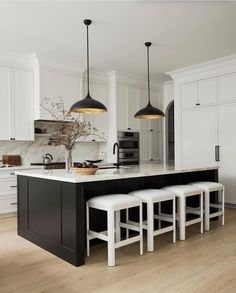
(129, 128)
(93, 139)
(13, 203)
(151, 129)
(198, 104)
(12, 173)
(13, 186)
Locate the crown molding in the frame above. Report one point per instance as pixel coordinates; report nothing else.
(15, 60)
(213, 67)
(57, 65)
(134, 80)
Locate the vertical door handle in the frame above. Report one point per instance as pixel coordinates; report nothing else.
(217, 153)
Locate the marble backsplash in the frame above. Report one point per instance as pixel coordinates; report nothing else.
(32, 151)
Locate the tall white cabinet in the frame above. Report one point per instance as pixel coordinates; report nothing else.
(130, 99)
(205, 111)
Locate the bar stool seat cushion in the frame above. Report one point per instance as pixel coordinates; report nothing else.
(184, 190)
(113, 202)
(208, 186)
(153, 195)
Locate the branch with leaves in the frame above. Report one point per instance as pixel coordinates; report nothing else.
(69, 128)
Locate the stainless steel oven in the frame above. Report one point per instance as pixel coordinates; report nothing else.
(128, 147)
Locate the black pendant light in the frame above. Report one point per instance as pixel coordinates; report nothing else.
(149, 112)
(88, 105)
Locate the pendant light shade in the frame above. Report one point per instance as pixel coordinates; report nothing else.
(88, 105)
(149, 112)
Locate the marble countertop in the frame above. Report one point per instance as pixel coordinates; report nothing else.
(141, 170)
(22, 167)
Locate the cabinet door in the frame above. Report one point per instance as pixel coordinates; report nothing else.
(155, 100)
(122, 111)
(23, 94)
(189, 94)
(154, 146)
(199, 137)
(227, 88)
(144, 145)
(227, 143)
(208, 91)
(5, 100)
(143, 124)
(55, 85)
(99, 121)
(132, 101)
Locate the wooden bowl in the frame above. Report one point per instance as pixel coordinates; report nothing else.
(84, 171)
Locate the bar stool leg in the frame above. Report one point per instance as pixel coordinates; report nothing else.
(174, 222)
(141, 228)
(159, 212)
(182, 218)
(117, 226)
(207, 211)
(201, 211)
(223, 206)
(150, 227)
(111, 238)
(87, 229)
(127, 220)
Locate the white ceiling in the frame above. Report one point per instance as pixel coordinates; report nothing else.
(183, 33)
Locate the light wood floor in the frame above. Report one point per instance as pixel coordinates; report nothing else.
(202, 263)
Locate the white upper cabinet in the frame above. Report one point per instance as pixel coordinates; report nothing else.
(16, 96)
(98, 91)
(199, 93)
(132, 106)
(54, 85)
(127, 105)
(207, 91)
(154, 124)
(5, 100)
(227, 88)
(189, 94)
(121, 108)
(23, 97)
(143, 124)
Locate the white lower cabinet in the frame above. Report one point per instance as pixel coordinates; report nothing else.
(8, 191)
(199, 137)
(227, 151)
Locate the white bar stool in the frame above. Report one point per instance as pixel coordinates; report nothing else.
(209, 187)
(151, 197)
(182, 192)
(112, 204)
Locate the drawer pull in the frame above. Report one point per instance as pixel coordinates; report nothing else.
(13, 203)
(13, 186)
(12, 173)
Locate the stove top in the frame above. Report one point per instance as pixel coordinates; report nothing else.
(53, 165)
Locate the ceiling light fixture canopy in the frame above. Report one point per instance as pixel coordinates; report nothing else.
(149, 112)
(88, 105)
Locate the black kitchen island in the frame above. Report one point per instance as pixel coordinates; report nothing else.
(51, 205)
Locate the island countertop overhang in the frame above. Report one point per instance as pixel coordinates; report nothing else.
(142, 170)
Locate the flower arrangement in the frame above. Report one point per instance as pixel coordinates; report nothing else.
(69, 127)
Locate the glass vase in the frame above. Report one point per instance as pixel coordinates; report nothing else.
(68, 159)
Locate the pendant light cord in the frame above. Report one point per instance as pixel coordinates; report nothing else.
(149, 102)
(88, 57)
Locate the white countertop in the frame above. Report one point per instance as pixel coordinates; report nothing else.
(22, 167)
(141, 170)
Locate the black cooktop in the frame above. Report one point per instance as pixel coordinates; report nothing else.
(53, 165)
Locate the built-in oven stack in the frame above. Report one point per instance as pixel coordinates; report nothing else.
(128, 147)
